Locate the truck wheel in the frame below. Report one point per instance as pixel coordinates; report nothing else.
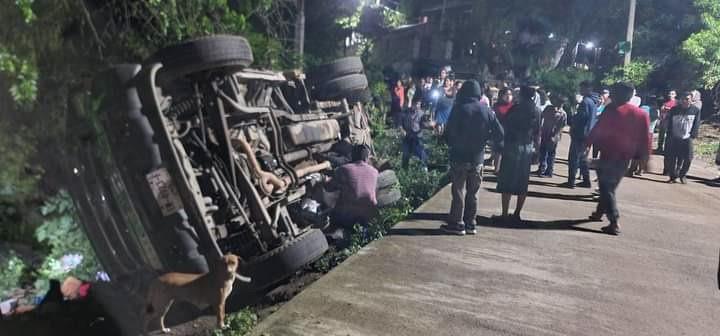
(201, 54)
(341, 87)
(388, 197)
(337, 68)
(362, 96)
(285, 260)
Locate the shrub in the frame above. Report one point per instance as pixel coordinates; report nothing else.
(239, 323)
(12, 271)
(636, 73)
(69, 249)
(563, 82)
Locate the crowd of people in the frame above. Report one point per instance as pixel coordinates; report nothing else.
(611, 131)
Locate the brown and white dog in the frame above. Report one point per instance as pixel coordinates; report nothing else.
(211, 288)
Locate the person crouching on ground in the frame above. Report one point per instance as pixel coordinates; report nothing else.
(412, 141)
(622, 135)
(553, 121)
(357, 182)
(522, 128)
(469, 128)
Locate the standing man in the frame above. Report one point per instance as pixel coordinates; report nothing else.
(580, 126)
(668, 105)
(412, 142)
(553, 122)
(683, 123)
(469, 128)
(397, 103)
(622, 135)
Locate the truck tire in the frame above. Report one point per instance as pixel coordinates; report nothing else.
(285, 260)
(202, 54)
(386, 179)
(122, 240)
(337, 68)
(341, 87)
(362, 96)
(388, 197)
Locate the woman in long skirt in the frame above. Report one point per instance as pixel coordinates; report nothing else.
(522, 129)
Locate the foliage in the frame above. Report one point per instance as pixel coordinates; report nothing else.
(12, 270)
(563, 82)
(703, 47)
(24, 77)
(70, 252)
(636, 73)
(15, 151)
(239, 323)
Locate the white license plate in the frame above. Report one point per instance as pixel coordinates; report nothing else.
(164, 191)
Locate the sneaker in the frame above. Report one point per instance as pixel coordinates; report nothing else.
(585, 184)
(611, 230)
(683, 180)
(453, 229)
(672, 180)
(567, 185)
(472, 231)
(546, 175)
(596, 217)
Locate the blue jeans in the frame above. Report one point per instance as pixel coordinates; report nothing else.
(547, 153)
(576, 159)
(413, 145)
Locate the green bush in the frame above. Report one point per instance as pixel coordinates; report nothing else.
(69, 249)
(636, 73)
(239, 323)
(12, 271)
(563, 82)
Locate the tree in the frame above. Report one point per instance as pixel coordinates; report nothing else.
(703, 46)
(636, 73)
(48, 46)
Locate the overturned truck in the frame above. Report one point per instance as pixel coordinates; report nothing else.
(193, 154)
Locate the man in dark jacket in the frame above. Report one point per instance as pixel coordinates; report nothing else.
(682, 127)
(469, 128)
(580, 126)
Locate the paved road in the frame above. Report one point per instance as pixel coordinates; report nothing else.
(552, 276)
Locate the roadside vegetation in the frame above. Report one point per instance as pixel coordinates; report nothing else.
(40, 236)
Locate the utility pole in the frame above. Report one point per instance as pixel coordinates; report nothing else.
(630, 31)
(300, 28)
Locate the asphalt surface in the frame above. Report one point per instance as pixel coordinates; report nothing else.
(554, 275)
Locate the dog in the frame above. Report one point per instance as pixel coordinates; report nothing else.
(211, 288)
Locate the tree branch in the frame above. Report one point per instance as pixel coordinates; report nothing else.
(88, 17)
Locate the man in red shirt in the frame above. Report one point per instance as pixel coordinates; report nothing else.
(621, 134)
(668, 105)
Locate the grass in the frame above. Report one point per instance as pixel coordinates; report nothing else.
(706, 145)
(239, 323)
